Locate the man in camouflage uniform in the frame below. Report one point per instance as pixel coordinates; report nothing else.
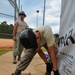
(32, 41)
(19, 26)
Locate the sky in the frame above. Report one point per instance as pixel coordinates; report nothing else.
(52, 13)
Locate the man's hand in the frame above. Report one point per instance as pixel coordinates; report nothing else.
(53, 57)
(56, 72)
(14, 38)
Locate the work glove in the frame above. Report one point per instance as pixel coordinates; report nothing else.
(56, 72)
(49, 67)
(17, 73)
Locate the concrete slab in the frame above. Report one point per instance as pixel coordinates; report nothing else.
(36, 67)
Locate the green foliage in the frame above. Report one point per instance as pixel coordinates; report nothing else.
(6, 30)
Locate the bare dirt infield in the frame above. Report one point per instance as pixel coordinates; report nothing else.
(6, 43)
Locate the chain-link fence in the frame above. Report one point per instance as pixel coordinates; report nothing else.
(4, 35)
(6, 12)
(9, 13)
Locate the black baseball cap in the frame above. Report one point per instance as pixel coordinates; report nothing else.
(28, 39)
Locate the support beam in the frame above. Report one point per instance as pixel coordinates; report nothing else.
(44, 12)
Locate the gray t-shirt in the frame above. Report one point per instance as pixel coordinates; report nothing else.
(46, 35)
(22, 25)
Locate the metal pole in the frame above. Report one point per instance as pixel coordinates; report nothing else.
(19, 5)
(14, 10)
(44, 12)
(6, 14)
(37, 18)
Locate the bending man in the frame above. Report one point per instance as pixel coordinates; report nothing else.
(32, 41)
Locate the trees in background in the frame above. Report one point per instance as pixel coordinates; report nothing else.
(6, 30)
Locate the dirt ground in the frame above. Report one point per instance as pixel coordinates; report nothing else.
(36, 67)
(6, 43)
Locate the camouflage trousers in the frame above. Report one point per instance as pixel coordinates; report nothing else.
(18, 48)
(26, 59)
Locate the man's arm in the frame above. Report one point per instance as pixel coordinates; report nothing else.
(42, 55)
(14, 32)
(48, 64)
(53, 57)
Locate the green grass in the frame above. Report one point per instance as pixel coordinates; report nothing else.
(4, 51)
